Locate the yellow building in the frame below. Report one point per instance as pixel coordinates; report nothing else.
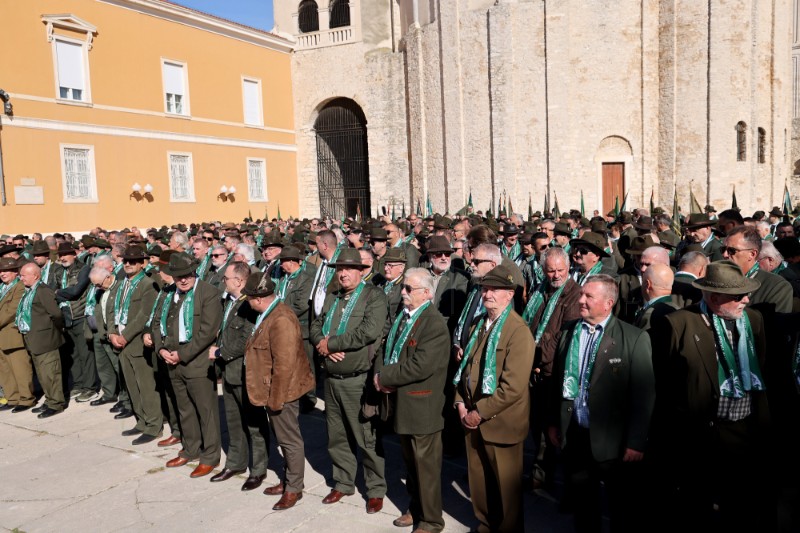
(140, 112)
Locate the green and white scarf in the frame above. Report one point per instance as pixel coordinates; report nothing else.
(117, 268)
(186, 318)
(6, 288)
(265, 314)
(91, 300)
(737, 372)
(283, 284)
(538, 272)
(536, 301)
(462, 319)
(159, 298)
(390, 284)
(23, 318)
(65, 278)
(514, 252)
(394, 344)
(331, 270)
(489, 378)
(348, 310)
(592, 271)
(780, 268)
(200, 271)
(121, 306)
(571, 386)
(753, 271)
(46, 271)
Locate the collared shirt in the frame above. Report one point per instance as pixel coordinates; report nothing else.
(319, 291)
(104, 300)
(733, 409)
(705, 243)
(685, 274)
(590, 336)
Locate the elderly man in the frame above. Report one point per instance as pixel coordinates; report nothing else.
(40, 321)
(771, 260)
(16, 374)
(645, 253)
(126, 318)
(493, 403)
(449, 283)
(246, 254)
(588, 253)
(699, 231)
(220, 258)
(394, 264)
(412, 371)
(549, 307)
(276, 349)
(188, 324)
(51, 271)
(345, 334)
(272, 247)
(511, 247)
(709, 361)
(742, 246)
(600, 414)
(657, 282)
(178, 241)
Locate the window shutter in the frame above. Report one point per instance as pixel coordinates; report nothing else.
(173, 79)
(252, 109)
(70, 65)
(76, 166)
(255, 179)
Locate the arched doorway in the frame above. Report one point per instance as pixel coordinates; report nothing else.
(342, 160)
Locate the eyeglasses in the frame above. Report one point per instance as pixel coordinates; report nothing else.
(477, 262)
(731, 251)
(392, 265)
(582, 250)
(740, 297)
(440, 254)
(409, 288)
(219, 255)
(132, 261)
(543, 248)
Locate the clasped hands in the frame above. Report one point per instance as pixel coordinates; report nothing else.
(117, 341)
(322, 348)
(469, 419)
(376, 380)
(170, 357)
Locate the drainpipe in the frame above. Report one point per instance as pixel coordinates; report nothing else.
(8, 109)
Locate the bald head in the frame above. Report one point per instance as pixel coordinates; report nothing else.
(30, 273)
(694, 263)
(657, 281)
(655, 255)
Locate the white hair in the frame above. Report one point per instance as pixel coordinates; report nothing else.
(246, 251)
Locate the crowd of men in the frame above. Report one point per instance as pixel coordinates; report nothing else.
(658, 371)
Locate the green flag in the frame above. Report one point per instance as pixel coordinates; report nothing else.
(652, 203)
(693, 203)
(510, 207)
(429, 205)
(469, 202)
(556, 210)
(676, 213)
(624, 203)
(266, 214)
(583, 209)
(419, 208)
(616, 206)
(403, 213)
(530, 207)
(279, 210)
(734, 203)
(787, 202)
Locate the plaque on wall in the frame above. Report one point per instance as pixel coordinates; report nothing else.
(25, 195)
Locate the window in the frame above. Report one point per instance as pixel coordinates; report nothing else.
(256, 180)
(251, 93)
(762, 145)
(307, 16)
(181, 179)
(70, 71)
(340, 13)
(741, 141)
(175, 93)
(78, 173)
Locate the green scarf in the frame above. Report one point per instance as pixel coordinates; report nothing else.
(753, 271)
(155, 306)
(5, 289)
(348, 310)
(186, 325)
(489, 379)
(548, 310)
(284, 283)
(592, 271)
(331, 270)
(514, 252)
(23, 318)
(121, 311)
(394, 347)
(737, 372)
(538, 272)
(462, 319)
(780, 268)
(265, 314)
(91, 300)
(117, 268)
(46, 271)
(390, 284)
(65, 278)
(572, 378)
(199, 271)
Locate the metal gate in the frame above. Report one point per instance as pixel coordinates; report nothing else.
(342, 160)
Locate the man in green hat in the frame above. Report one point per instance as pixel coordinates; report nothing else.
(394, 265)
(700, 231)
(51, 271)
(16, 374)
(346, 334)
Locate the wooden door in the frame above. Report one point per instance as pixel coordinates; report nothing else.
(613, 185)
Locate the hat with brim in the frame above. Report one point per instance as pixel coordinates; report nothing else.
(500, 277)
(394, 255)
(640, 244)
(180, 264)
(349, 258)
(562, 229)
(439, 245)
(593, 241)
(644, 223)
(259, 285)
(625, 217)
(7, 249)
(709, 209)
(134, 253)
(378, 234)
(155, 251)
(668, 240)
(40, 248)
(699, 220)
(102, 243)
(9, 263)
(509, 229)
(776, 212)
(65, 248)
(290, 253)
(163, 257)
(725, 277)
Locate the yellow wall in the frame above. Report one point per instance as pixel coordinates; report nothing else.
(127, 92)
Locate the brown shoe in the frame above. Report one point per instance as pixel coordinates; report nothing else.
(253, 482)
(287, 500)
(275, 490)
(202, 470)
(334, 496)
(178, 461)
(374, 505)
(169, 441)
(405, 520)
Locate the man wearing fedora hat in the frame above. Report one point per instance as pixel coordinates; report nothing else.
(346, 334)
(51, 271)
(562, 235)
(394, 265)
(700, 231)
(16, 374)
(588, 253)
(492, 401)
(511, 246)
(126, 318)
(709, 362)
(188, 324)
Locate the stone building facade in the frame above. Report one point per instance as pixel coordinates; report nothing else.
(558, 97)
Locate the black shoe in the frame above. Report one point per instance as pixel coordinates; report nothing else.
(102, 401)
(144, 439)
(47, 413)
(117, 408)
(131, 432)
(125, 413)
(20, 408)
(6, 407)
(39, 409)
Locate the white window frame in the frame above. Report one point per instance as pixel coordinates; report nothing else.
(187, 109)
(172, 198)
(263, 176)
(92, 174)
(257, 81)
(87, 91)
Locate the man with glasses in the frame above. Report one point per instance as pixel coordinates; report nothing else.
(272, 246)
(395, 239)
(587, 256)
(126, 318)
(742, 246)
(219, 262)
(533, 246)
(394, 264)
(710, 375)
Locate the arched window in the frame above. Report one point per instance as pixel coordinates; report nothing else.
(340, 13)
(307, 16)
(741, 141)
(762, 145)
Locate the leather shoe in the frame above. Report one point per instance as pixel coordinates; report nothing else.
(21, 408)
(6, 407)
(225, 475)
(117, 407)
(374, 505)
(102, 401)
(131, 432)
(39, 409)
(144, 439)
(125, 413)
(202, 470)
(420, 530)
(169, 441)
(275, 490)
(178, 461)
(405, 520)
(287, 500)
(334, 496)
(47, 413)
(253, 482)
